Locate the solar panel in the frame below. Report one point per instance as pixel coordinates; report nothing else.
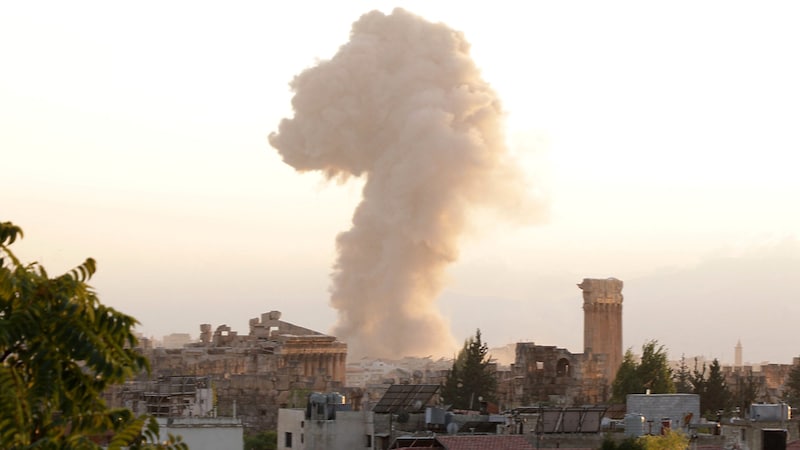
(571, 420)
(406, 398)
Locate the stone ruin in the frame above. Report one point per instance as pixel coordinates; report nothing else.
(275, 365)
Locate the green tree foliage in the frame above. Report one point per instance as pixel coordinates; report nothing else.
(699, 378)
(672, 440)
(650, 372)
(266, 440)
(791, 390)
(629, 443)
(745, 391)
(627, 380)
(683, 378)
(654, 369)
(712, 389)
(59, 349)
(471, 379)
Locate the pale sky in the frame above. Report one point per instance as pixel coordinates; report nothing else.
(664, 136)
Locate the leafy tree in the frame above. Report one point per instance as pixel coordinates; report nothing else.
(672, 440)
(746, 390)
(651, 372)
(698, 378)
(629, 443)
(712, 389)
(654, 369)
(59, 349)
(266, 440)
(627, 380)
(791, 390)
(471, 378)
(683, 378)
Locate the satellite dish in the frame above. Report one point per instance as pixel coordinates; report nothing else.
(452, 428)
(418, 405)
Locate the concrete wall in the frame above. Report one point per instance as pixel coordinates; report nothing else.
(349, 430)
(206, 433)
(747, 434)
(291, 421)
(655, 407)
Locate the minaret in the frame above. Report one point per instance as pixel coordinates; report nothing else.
(738, 354)
(602, 321)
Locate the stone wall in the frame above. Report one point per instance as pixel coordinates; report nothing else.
(602, 321)
(550, 375)
(276, 365)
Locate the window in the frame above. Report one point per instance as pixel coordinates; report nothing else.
(562, 368)
(369, 441)
(287, 439)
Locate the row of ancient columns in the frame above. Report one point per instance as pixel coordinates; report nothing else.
(332, 364)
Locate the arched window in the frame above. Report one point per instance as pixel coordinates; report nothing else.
(562, 368)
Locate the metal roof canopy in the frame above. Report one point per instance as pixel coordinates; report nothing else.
(406, 398)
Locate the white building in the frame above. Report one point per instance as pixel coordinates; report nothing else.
(205, 433)
(647, 413)
(322, 426)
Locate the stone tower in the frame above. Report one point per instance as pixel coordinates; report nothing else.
(602, 321)
(737, 354)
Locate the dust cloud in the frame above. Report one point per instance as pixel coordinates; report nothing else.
(404, 106)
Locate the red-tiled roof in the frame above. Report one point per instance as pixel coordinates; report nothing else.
(485, 442)
(794, 445)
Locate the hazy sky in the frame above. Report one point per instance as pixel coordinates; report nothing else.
(664, 136)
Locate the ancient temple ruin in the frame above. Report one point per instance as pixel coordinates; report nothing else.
(602, 321)
(543, 374)
(275, 365)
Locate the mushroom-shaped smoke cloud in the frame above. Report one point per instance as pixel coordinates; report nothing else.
(403, 105)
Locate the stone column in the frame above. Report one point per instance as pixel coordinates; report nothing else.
(602, 321)
(341, 367)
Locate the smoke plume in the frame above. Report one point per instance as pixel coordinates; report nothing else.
(403, 105)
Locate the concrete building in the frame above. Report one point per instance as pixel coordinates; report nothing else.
(766, 423)
(649, 413)
(205, 433)
(412, 416)
(343, 430)
(172, 396)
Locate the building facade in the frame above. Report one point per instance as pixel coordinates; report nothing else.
(275, 365)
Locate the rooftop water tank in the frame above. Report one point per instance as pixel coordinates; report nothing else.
(634, 425)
